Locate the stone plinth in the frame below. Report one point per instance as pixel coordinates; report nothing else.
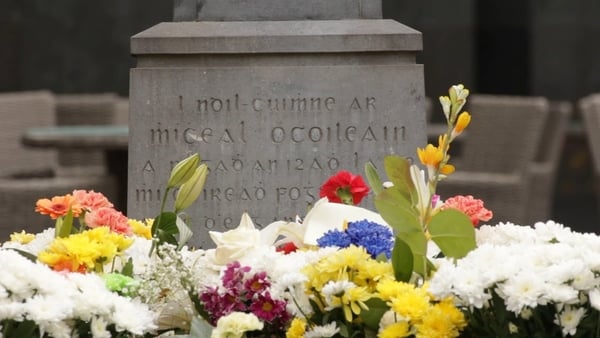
(274, 108)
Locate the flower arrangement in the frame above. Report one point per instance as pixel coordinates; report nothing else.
(418, 267)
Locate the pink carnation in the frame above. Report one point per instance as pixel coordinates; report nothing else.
(470, 206)
(91, 200)
(115, 220)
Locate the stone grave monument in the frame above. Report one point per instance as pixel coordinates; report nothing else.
(276, 96)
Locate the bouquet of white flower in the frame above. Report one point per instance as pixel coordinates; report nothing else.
(540, 281)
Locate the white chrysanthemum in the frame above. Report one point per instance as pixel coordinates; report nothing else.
(559, 294)
(594, 296)
(138, 252)
(323, 331)
(93, 298)
(333, 290)
(56, 329)
(41, 308)
(132, 315)
(569, 319)
(34, 247)
(98, 328)
(390, 317)
(523, 290)
(551, 231)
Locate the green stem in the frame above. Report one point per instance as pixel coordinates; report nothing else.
(155, 226)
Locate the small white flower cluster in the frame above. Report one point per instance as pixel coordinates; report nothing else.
(547, 264)
(165, 286)
(56, 302)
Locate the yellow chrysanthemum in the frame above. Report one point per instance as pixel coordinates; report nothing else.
(84, 251)
(297, 329)
(142, 229)
(353, 301)
(340, 265)
(371, 271)
(430, 156)
(390, 288)
(22, 237)
(396, 330)
(412, 305)
(443, 320)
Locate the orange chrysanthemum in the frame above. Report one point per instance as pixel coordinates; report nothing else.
(58, 206)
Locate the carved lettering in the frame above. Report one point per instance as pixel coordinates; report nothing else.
(293, 104)
(295, 193)
(147, 195)
(148, 167)
(337, 133)
(367, 106)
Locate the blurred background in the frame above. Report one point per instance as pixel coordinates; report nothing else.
(518, 47)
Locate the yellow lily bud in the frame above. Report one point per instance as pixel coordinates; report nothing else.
(183, 171)
(191, 189)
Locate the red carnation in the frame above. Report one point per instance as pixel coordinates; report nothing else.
(344, 187)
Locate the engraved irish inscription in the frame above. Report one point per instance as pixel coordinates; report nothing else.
(270, 139)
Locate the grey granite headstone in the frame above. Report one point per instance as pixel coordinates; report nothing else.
(274, 108)
(274, 10)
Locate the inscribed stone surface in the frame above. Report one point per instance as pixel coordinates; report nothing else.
(270, 135)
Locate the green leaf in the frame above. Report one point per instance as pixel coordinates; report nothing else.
(25, 328)
(128, 268)
(417, 242)
(402, 260)
(185, 233)
(25, 254)
(397, 169)
(372, 316)
(373, 178)
(64, 225)
(200, 328)
(453, 233)
(397, 211)
(165, 227)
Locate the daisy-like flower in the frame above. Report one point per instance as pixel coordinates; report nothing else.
(297, 328)
(58, 206)
(21, 237)
(322, 331)
(345, 187)
(569, 319)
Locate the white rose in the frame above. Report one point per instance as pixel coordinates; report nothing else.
(233, 244)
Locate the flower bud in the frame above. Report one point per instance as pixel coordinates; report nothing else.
(461, 123)
(445, 102)
(191, 189)
(183, 171)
